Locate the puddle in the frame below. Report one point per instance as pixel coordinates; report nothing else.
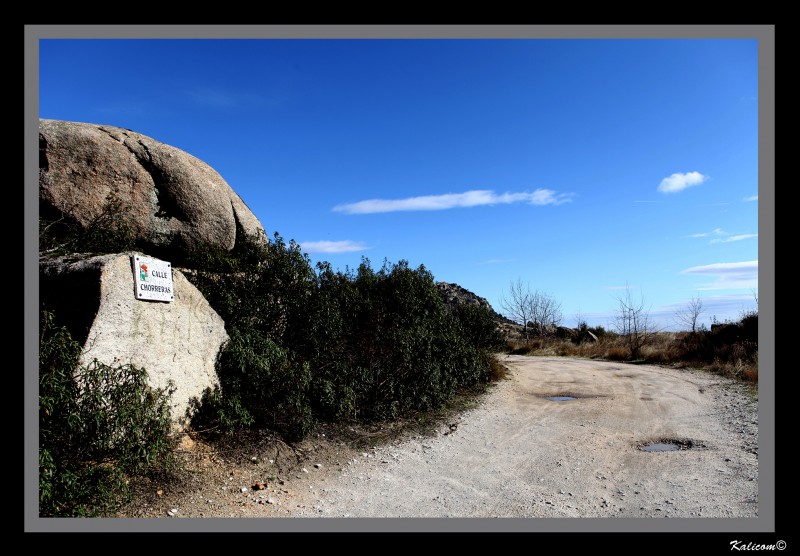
(670, 445)
(565, 396)
(660, 447)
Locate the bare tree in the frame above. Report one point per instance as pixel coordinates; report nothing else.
(531, 309)
(517, 304)
(689, 316)
(633, 323)
(545, 312)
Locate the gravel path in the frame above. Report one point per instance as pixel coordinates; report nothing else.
(517, 455)
(522, 455)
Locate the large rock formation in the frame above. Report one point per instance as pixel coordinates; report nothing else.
(170, 199)
(453, 295)
(179, 340)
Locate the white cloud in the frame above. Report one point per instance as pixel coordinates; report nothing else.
(722, 236)
(750, 198)
(678, 182)
(475, 198)
(743, 275)
(740, 237)
(715, 231)
(346, 246)
(715, 304)
(722, 307)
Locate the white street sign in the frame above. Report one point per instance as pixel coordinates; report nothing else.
(152, 279)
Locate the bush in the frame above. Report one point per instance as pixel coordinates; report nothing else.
(260, 286)
(261, 384)
(360, 345)
(478, 327)
(383, 344)
(98, 425)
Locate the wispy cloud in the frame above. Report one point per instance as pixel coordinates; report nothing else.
(715, 232)
(722, 307)
(739, 237)
(475, 198)
(721, 236)
(711, 304)
(345, 246)
(750, 198)
(742, 275)
(678, 182)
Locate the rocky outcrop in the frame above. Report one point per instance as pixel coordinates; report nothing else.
(179, 340)
(171, 200)
(453, 295)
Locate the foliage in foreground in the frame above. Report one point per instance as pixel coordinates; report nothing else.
(305, 344)
(98, 426)
(331, 345)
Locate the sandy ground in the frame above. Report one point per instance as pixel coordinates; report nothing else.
(517, 454)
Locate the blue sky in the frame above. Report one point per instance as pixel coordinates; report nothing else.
(578, 166)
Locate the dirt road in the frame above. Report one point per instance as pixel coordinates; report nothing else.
(523, 455)
(518, 454)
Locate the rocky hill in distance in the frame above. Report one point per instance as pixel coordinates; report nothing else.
(454, 295)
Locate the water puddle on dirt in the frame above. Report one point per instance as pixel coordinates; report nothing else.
(660, 447)
(560, 398)
(670, 445)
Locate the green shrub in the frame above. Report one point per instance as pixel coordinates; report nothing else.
(334, 345)
(98, 425)
(217, 412)
(478, 327)
(260, 286)
(383, 344)
(261, 384)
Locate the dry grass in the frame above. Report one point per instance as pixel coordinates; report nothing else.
(617, 353)
(739, 360)
(497, 371)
